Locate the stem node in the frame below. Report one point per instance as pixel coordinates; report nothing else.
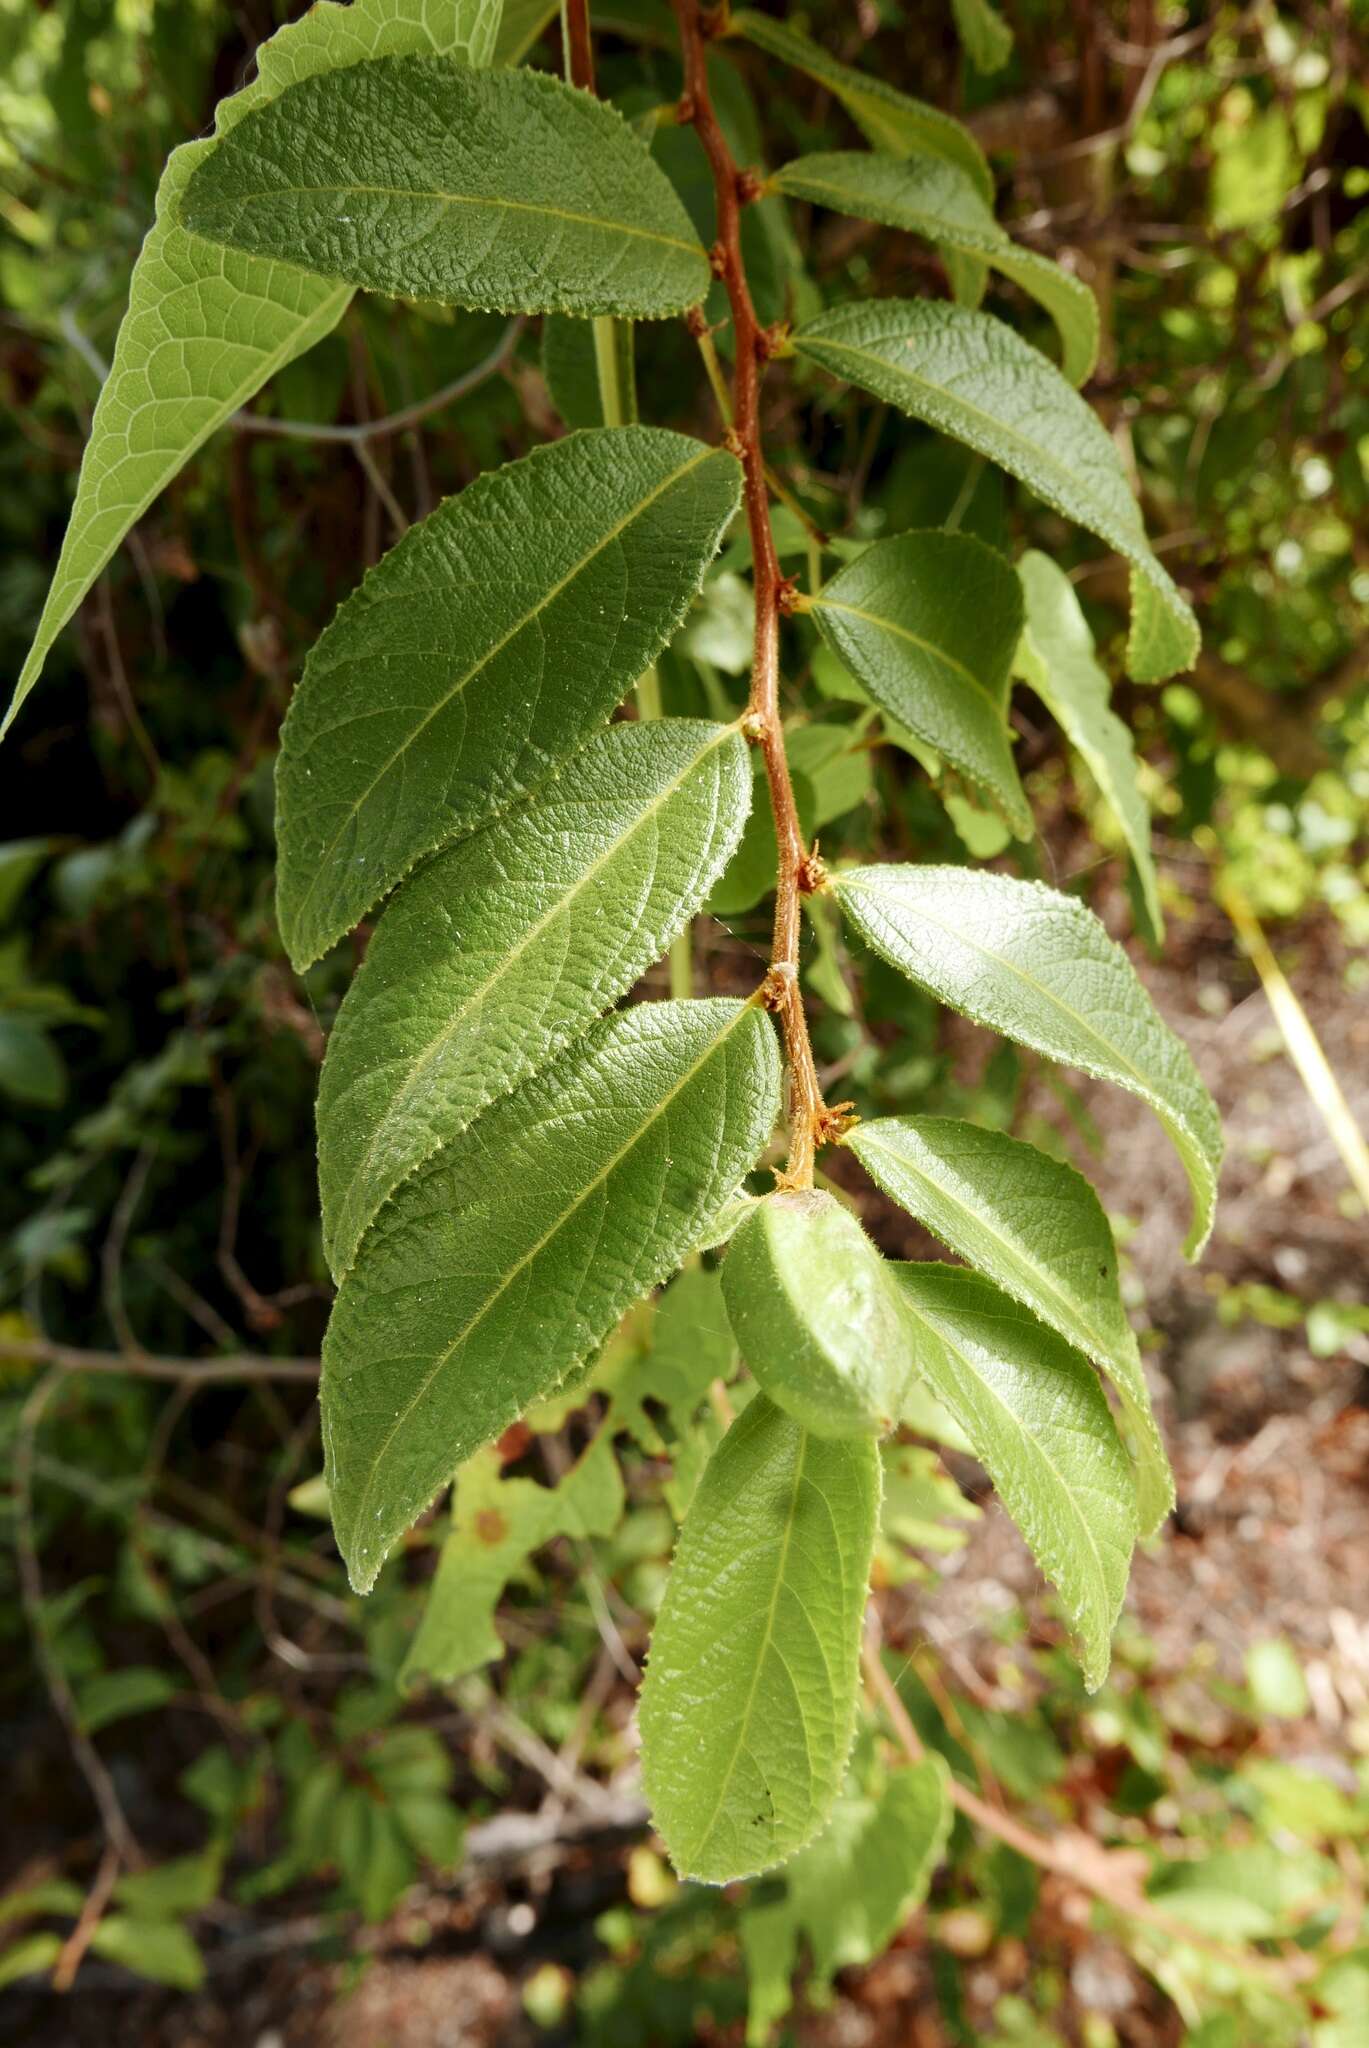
(753, 346)
(812, 872)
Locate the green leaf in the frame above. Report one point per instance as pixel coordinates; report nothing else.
(928, 623)
(32, 1070)
(570, 366)
(31, 1956)
(748, 1708)
(435, 1829)
(187, 1884)
(889, 118)
(835, 764)
(20, 860)
(1056, 657)
(409, 1760)
(986, 37)
(850, 1892)
(113, 1695)
(412, 1770)
(205, 330)
(1254, 1893)
(479, 653)
(750, 874)
(419, 178)
(817, 1321)
(925, 195)
(521, 23)
(506, 1259)
(1040, 1426)
(497, 1524)
(372, 1852)
(504, 948)
(1275, 1677)
(1039, 967)
(1303, 1802)
(1036, 1228)
(158, 1949)
(969, 376)
(49, 1895)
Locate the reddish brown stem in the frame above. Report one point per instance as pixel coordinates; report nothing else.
(808, 1117)
(579, 48)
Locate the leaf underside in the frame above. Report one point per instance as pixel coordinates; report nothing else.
(1056, 657)
(1035, 1413)
(808, 1298)
(748, 1706)
(499, 190)
(1036, 1228)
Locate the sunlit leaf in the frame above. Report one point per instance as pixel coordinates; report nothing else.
(748, 1708)
(508, 1257)
(479, 653)
(1035, 1413)
(1035, 1227)
(1056, 656)
(970, 376)
(813, 1311)
(1040, 968)
(504, 948)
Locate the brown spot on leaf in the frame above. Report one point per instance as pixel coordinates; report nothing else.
(490, 1526)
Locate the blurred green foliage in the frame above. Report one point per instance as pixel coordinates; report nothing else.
(158, 1061)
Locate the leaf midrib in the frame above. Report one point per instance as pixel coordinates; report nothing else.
(1032, 1442)
(822, 602)
(1133, 545)
(490, 654)
(743, 1726)
(640, 821)
(1145, 1088)
(538, 207)
(1101, 1348)
(591, 1187)
(933, 227)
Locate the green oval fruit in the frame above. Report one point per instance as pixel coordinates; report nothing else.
(816, 1317)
